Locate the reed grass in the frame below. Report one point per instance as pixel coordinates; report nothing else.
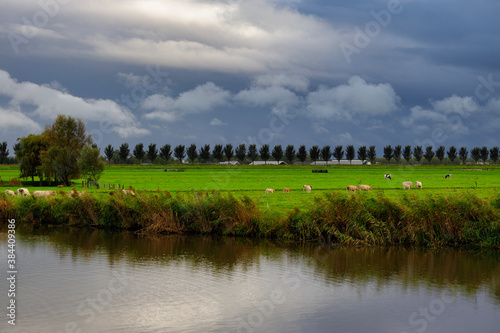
(361, 219)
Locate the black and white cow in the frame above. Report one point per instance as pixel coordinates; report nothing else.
(387, 176)
(447, 176)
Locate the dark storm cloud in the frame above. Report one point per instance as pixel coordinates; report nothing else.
(360, 72)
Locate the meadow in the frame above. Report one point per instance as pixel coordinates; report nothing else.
(231, 200)
(251, 181)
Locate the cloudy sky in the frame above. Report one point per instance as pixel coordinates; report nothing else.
(315, 72)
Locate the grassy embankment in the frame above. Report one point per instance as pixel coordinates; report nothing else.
(464, 210)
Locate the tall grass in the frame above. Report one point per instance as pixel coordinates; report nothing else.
(361, 219)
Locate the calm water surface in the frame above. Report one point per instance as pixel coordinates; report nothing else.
(95, 281)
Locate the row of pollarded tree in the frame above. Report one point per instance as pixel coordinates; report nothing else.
(315, 153)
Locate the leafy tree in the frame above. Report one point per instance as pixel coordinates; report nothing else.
(338, 153)
(152, 152)
(277, 153)
(418, 153)
(326, 152)
(452, 154)
(166, 152)
(205, 152)
(302, 154)
(4, 152)
(475, 153)
(494, 154)
(396, 153)
(109, 151)
(228, 151)
(485, 154)
(290, 153)
(349, 153)
(372, 154)
(90, 163)
(463, 154)
(66, 138)
(124, 152)
(429, 154)
(192, 154)
(440, 153)
(407, 153)
(240, 152)
(388, 153)
(217, 152)
(180, 153)
(362, 153)
(264, 153)
(29, 155)
(252, 152)
(314, 153)
(139, 152)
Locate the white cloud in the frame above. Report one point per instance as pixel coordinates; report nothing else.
(217, 122)
(203, 98)
(357, 97)
(464, 106)
(264, 96)
(12, 120)
(48, 102)
(231, 36)
(296, 82)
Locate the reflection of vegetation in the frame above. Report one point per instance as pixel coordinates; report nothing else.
(454, 269)
(355, 220)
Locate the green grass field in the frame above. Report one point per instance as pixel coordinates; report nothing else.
(484, 181)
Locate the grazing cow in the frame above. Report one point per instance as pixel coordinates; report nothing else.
(286, 190)
(44, 194)
(364, 187)
(418, 184)
(269, 190)
(447, 176)
(305, 187)
(128, 192)
(60, 186)
(387, 176)
(351, 188)
(407, 185)
(23, 192)
(11, 193)
(308, 188)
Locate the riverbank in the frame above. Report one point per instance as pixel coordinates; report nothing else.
(361, 219)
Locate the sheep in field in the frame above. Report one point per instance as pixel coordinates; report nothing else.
(44, 194)
(407, 185)
(364, 187)
(351, 188)
(23, 192)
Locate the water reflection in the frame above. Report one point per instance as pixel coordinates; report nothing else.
(95, 280)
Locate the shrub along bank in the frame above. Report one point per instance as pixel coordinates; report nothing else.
(364, 219)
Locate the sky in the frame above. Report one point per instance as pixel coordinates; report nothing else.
(277, 72)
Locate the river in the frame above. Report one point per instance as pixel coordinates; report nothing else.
(96, 281)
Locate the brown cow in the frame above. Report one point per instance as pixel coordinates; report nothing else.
(286, 190)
